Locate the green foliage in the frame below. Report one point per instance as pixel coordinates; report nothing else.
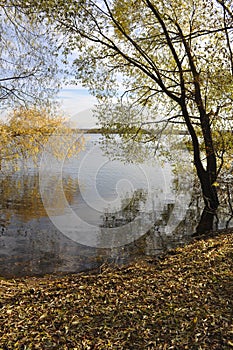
(175, 58)
(172, 58)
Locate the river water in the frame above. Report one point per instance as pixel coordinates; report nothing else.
(73, 215)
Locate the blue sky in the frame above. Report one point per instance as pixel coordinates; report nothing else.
(77, 104)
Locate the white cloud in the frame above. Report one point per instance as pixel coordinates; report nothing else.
(77, 104)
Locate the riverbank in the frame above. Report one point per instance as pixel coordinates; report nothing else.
(180, 301)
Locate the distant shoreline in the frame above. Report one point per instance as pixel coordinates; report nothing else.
(104, 131)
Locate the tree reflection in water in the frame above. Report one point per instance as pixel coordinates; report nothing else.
(155, 241)
(130, 208)
(30, 244)
(20, 197)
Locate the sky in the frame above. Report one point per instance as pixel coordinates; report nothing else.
(77, 104)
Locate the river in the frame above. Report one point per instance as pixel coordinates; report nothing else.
(72, 215)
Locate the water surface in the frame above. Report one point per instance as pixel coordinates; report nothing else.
(75, 216)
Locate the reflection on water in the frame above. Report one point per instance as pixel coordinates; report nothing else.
(113, 212)
(21, 200)
(29, 244)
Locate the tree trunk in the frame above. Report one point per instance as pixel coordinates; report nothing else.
(210, 197)
(206, 222)
(207, 176)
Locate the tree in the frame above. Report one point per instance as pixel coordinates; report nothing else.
(27, 132)
(28, 59)
(173, 57)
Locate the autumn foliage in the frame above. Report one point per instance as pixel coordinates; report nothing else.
(27, 131)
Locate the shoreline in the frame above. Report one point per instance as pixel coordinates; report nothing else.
(182, 300)
(98, 269)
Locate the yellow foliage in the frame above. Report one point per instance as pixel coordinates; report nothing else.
(126, 16)
(27, 131)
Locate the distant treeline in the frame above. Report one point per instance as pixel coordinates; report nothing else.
(114, 131)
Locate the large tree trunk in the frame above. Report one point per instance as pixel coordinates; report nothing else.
(210, 197)
(208, 176)
(206, 222)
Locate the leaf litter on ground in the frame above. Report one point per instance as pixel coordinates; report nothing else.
(183, 300)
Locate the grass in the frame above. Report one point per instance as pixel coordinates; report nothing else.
(183, 300)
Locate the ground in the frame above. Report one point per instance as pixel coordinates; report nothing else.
(183, 300)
